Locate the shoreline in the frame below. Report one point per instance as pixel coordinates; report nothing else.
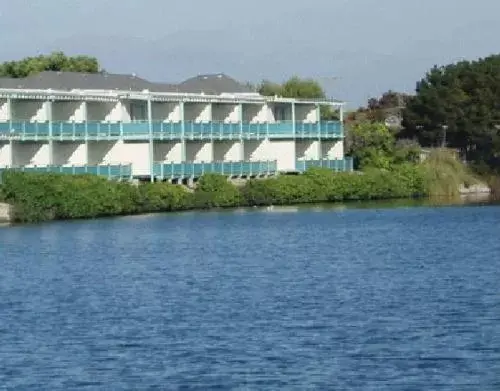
(390, 203)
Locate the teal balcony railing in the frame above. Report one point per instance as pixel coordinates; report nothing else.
(341, 165)
(111, 171)
(196, 170)
(95, 130)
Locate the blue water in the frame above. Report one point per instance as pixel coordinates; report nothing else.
(314, 299)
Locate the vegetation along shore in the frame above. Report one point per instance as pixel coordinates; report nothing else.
(39, 197)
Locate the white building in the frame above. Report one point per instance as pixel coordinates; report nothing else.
(125, 126)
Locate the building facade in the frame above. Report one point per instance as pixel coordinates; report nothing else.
(125, 127)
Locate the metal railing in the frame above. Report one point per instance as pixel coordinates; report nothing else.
(340, 165)
(111, 171)
(195, 170)
(213, 130)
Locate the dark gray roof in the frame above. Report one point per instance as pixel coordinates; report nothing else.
(208, 84)
(213, 84)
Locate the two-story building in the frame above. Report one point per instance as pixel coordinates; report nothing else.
(125, 126)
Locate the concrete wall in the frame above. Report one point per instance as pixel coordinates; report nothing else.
(257, 113)
(228, 151)
(69, 153)
(121, 152)
(5, 154)
(69, 111)
(197, 112)
(332, 149)
(306, 113)
(227, 113)
(30, 154)
(98, 151)
(30, 110)
(4, 110)
(308, 150)
(98, 111)
(199, 151)
(283, 151)
(255, 150)
(168, 152)
(166, 111)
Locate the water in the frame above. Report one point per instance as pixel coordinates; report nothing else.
(315, 299)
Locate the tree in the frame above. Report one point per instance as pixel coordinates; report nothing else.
(296, 87)
(56, 61)
(371, 145)
(459, 105)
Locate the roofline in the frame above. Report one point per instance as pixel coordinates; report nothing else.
(114, 95)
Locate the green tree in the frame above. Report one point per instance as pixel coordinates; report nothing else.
(371, 145)
(459, 105)
(296, 87)
(56, 61)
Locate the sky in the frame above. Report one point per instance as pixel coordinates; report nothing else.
(355, 48)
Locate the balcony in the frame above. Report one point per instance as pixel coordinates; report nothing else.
(112, 171)
(340, 165)
(189, 130)
(231, 169)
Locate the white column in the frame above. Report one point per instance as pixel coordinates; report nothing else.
(242, 141)
(151, 146)
(183, 139)
(51, 141)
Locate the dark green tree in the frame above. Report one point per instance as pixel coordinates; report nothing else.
(458, 105)
(56, 61)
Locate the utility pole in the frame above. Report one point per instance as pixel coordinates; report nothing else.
(443, 140)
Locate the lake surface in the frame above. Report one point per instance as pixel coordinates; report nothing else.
(293, 298)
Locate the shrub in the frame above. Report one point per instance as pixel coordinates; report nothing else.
(215, 191)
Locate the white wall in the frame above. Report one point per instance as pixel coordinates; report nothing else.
(250, 112)
(167, 152)
(68, 111)
(30, 154)
(228, 113)
(30, 110)
(106, 111)
(255, 150)
(5, 154)
(69, 153)
(4, 110)
(166, 111)
(332, 149)
(308, 150)
(120, 152)
(197, 112)
(98, 151)
(228, 151)
(199, 151)
(306, 113)
(283, 151)
(257, 113)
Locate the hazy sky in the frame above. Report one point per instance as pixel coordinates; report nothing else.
(369, 45)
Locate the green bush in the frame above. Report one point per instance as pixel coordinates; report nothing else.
(215, 191)
(156, 197)
(43, 196)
